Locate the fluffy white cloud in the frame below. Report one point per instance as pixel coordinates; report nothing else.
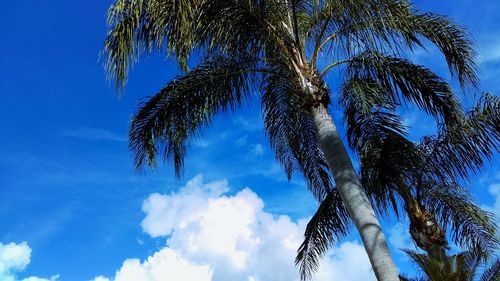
(216, 237)
(14, 258)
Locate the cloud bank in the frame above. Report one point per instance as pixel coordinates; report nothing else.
(213, 236)
(14, 258)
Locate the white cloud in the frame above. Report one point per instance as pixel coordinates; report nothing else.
(164, 263)
(100, 278)
(216, 237)
(52, 278)
(14, 258)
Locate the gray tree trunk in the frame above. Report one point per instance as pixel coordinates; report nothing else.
(354, 196)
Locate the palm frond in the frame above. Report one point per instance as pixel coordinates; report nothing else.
(140, 26)
(388, 171)
(292, 133)
(471, 227)
(328, 224)
(368, 112)
(463, 144)
(492, 273)
(426, 264)
(453, 41)
(374, 130)
(382, 25)
(405, 81)
(187, 103)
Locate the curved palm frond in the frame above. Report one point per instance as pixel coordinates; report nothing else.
(187, 103)
(463, 144)
(328, 224)
(471, 227)
(426, 264)
(140, 26)
(387, 171)
(463, 266)
(382, 25)
(368, 112)
(405, 81)
(292, 133)
(492, 273)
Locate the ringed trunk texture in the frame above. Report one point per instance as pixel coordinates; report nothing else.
(354, 196)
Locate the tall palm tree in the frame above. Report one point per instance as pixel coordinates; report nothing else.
(273, 47)
(463, 266)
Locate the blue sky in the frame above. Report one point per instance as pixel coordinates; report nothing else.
(67, 184)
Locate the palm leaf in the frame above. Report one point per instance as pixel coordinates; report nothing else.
(292, 133)
(186, 104)
(328, 224)
(405, 81)
(471, 227)
(141, 26)
(492, 273)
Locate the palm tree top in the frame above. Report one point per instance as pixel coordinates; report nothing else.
(273, 47)
(251, 44)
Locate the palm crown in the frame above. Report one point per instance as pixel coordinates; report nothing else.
(464, 266)
(272, 47)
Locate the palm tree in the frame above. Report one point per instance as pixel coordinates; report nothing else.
(273, 47)
(422, 178)
(463, 266)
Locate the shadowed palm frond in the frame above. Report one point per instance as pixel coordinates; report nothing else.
(405, 81)
(292, 133)
(328, 224)
(382, 25)
(368, 113)
(374, 130)
(388, 171)
(141, 26)
(187, 103)
(463, 266)
(463, 144)
(471, 227)
(425, 263)
(492, 273)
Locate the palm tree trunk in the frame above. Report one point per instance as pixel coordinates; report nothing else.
(354, 196)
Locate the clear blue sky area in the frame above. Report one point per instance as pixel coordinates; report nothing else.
(67, 183)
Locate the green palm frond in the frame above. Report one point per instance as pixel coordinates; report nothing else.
(368, 112)
(405, 81)
(471, 227)
(187, 103)
(485, 116)
(463, 266)
(388, 171)
(453, 41)
(382, 25)
(141, 26)
(426, 264)
(292, 133)
(328, 225)
(463, 144)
